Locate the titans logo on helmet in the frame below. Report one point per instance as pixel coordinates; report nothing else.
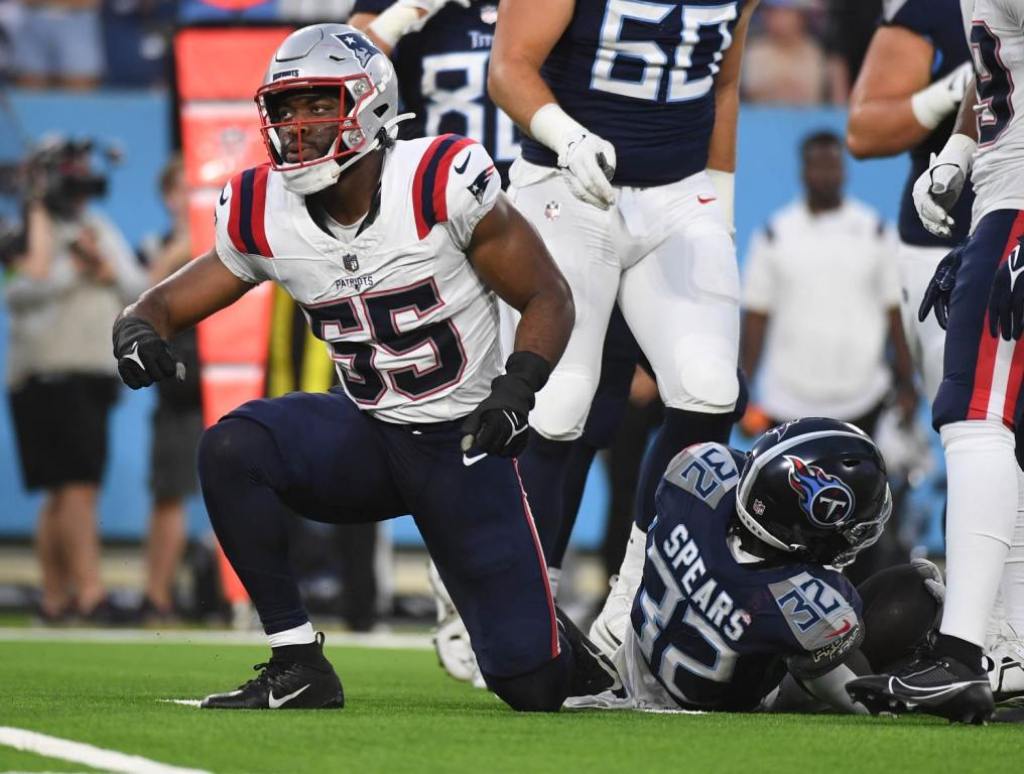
(825, 498)
(360, 46)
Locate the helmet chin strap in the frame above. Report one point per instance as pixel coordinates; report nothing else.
(320, 175)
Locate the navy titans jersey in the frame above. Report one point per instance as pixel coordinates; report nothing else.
(939, 22)
(640, 73)
(718, 634)
(442, 78)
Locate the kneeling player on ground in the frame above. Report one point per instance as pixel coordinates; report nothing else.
(741, 583)
(396, 252)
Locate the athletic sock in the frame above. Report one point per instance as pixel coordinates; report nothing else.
(1013, 573)
(296, 636)
(543, 467)
(981, 511)
(679, 429)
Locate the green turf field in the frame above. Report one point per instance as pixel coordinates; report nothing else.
(404, 714)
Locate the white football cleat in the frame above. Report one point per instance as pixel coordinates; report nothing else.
(609, 628)
(451, 639)
(1005, 662)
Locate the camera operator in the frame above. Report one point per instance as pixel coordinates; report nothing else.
(70, 279)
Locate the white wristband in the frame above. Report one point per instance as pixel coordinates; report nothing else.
(391, 25)
(959, 149)
(932, 104)
(725, 187)
(552, 126)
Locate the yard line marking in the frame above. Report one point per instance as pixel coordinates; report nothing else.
(183, 702)
(79, 752)
(382, 640)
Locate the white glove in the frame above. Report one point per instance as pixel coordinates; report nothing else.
(936, 191)
(587, 160)
(405, 16)
(937, 100)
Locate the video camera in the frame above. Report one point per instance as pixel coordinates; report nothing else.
(60, 172)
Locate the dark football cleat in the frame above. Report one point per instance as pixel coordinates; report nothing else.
(931, 683)
(593, 672)
(285, 685)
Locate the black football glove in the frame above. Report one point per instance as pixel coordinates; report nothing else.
(1006, 301)
(940, 289)
(142, 356)
(499, 424)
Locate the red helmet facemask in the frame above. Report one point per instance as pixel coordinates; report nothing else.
(351, 91)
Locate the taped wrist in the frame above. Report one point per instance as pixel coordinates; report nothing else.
(933, 103)
(552, 126)
(959, 150)
(395, 22)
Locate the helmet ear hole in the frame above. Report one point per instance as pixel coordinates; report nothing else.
(380, 111)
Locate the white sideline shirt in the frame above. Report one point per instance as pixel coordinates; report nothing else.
(827, 283)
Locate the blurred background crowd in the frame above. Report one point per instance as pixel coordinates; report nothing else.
(99, 515)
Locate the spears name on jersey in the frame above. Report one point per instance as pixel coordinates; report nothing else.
(718, 632)
(412, 332)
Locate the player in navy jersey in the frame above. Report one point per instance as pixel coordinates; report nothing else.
(441, 51)
(905, 99)
(631, 110)
(741, 583)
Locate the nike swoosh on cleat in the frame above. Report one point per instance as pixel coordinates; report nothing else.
(465, 163)
(275, 703)
(468, 461)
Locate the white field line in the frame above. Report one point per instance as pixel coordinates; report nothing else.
(382, 640)
(79, 752)
(183, 702)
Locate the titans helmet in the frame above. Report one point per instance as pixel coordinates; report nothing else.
(815, 488)
(342, 59)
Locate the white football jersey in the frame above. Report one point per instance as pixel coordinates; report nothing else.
(995, 33)
(411, 328)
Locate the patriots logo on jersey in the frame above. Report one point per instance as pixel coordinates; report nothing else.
(825, 498)
(360, 46)
(479, 186)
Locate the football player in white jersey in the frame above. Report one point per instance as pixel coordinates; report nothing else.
(978, 295)
(396, 251)
(630, 113)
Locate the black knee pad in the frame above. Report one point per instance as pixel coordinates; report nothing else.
(899, 613)
(542, 690)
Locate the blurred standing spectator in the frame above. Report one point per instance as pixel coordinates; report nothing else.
(177, 419)
(784, 64)
(848, 29)
(821, 299)
(69, 280)
(137, 42)
(11, 12)
(59, 44)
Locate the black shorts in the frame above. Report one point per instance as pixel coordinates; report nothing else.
(172, 469)
(60, 421)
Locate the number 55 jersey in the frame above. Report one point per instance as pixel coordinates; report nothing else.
(412, 330)
(713, 627)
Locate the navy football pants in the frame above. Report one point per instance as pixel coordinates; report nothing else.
(318, 456)
(982, 374)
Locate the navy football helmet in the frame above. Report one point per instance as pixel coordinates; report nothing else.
(816, 488)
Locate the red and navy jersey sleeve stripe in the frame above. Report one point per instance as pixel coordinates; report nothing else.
(247, 221)
(429, 188)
